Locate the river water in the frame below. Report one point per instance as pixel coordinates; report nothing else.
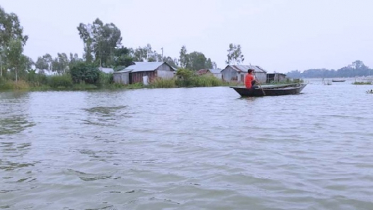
(187, 148)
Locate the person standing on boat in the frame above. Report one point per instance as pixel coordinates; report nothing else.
(250, 79)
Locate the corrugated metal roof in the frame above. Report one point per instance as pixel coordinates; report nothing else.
(106, 70)
(144, 66)
(244, 68)
(123, 71)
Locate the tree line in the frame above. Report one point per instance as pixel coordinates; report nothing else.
(355, 69)
(102, 48)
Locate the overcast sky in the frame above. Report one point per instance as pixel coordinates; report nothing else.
(278, 35)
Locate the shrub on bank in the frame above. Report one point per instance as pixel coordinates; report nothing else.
(13, 85)
(105, 79)
(60, 81)
(163, 83)
(362, 83)
(84, 72)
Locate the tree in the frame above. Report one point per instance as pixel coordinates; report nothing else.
(41, 63)
(85, 72)
(49, 60)
(146, 53)
(63, 62)
(170, 61)
(100, 40)
(197, 61)
(183, 59)
(11, 32)
(194, 60)
(14, 55)
(234, 54)
(74, 59)
(123, 57)
(10, 29)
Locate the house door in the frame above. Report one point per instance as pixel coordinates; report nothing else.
(145, 80)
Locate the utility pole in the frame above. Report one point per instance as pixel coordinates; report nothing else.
(162, 52)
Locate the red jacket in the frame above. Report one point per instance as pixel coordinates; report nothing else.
(248, 79)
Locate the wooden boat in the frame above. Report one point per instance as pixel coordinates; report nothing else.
(338, 80)
(270, 90)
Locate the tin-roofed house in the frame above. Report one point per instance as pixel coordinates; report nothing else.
(237, 73)
(144, 72)
(276, 77)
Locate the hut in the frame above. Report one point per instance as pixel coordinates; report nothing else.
(144, 72)
(275, 77)
(237, 73)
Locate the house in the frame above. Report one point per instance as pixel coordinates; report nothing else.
(237, 73)
(275, 77)
(144, 72)
(106, 70)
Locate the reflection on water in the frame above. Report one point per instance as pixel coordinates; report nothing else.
(196, 148)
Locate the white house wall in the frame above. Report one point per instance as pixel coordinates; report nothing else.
(122, 78)
(164, 71)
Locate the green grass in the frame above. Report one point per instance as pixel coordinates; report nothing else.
(163, 83)
(362, 83)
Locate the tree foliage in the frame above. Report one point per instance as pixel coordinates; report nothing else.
(12, 42)
(100, 41)
(357, 68)
(183, 59)
(123, 57)
(235, 55)
(194, 60)
(85, 72)
(10, 28)
(14, 55)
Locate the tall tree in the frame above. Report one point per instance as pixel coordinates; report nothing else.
(170, 61)
(183, 59)
(11, 33)
(100, 41)
(14, 55)
(11, 28)
(194, 60)
(146, 53)
(197, 61)
(63, 62)
(74, 59)
(235, 55)
(123, 57)
(41, 63)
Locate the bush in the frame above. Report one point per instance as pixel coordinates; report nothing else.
(13, 85)
(163, 83)
(35, 79)
(105, 79)
(199, 81)
(59, 81)
(84, 72)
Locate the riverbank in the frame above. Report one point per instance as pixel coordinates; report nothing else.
(64, 82)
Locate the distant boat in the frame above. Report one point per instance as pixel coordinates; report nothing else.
(270, 90)
(338, 80)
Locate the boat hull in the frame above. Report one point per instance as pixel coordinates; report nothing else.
(270, 90)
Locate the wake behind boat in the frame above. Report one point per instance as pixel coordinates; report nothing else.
(270, 90)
